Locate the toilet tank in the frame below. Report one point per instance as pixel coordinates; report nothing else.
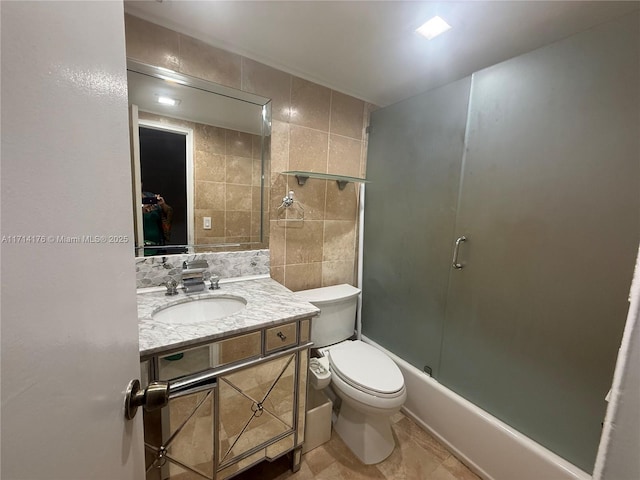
(337, 318)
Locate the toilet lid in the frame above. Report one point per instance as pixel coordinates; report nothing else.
(366, 367)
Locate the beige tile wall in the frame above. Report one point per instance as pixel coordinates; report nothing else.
(314, 129)
(226, 182)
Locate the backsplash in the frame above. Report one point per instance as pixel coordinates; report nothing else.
(155, 271)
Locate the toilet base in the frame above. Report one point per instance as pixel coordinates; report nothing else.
(368, 436)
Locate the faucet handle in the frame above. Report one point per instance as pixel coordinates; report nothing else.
(172, 287)
(214, 279)
(194, 264)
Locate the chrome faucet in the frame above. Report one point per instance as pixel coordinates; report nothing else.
(215, 280)
(193, 275)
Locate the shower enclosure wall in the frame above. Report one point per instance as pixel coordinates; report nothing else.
(532, 167)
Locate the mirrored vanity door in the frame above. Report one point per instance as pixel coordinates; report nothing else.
(256, 406)
(181, 445)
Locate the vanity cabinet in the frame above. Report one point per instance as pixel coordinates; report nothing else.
(241, 400)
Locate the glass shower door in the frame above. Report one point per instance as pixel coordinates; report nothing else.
(549, 206)
(414, 160)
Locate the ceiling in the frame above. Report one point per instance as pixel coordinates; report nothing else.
(369, 49)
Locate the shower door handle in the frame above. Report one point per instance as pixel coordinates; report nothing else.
(456, 251)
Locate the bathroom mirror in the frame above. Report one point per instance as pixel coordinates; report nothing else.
(199, 153)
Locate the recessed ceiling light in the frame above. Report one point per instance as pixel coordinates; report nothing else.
(433, 27)
(168, 101)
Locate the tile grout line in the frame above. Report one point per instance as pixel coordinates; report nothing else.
(284, 250)
(326, 190)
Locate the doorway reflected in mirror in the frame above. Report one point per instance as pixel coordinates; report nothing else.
(163, 170)
(224, 176)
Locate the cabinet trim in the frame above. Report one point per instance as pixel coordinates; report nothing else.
(194, 383)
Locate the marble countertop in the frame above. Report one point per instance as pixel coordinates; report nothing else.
(268, 304)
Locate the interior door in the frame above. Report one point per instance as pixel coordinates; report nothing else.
(549, 206)
(69, 321)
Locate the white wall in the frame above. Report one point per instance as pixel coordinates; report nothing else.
(618, 455)
(69, 322)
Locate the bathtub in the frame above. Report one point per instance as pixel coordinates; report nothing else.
(491, 448)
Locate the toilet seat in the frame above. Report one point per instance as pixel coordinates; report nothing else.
(366, 369)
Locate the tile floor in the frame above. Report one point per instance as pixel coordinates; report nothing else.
(417, 456)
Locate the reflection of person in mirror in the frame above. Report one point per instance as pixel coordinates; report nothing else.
(156, 221)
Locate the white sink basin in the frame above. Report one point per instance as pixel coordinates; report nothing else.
(202, 310)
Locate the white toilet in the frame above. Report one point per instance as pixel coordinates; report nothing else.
(367, 381)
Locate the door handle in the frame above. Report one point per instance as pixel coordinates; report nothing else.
(456, 251)
(155, 396)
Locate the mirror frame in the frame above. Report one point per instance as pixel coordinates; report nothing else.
(168, 75)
